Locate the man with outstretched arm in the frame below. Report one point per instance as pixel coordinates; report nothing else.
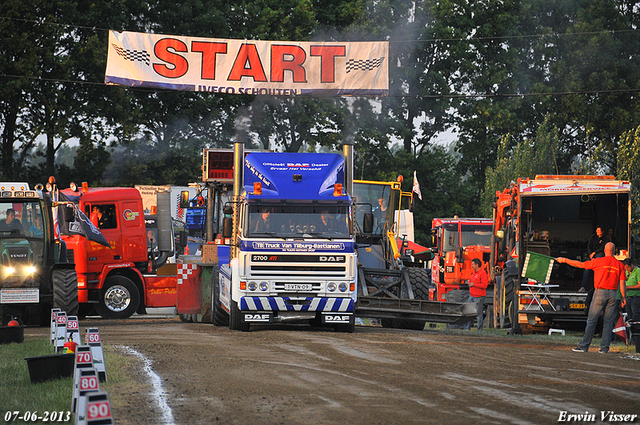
(609, 275)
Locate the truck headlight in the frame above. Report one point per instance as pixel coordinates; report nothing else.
(331, 286)
(30, 269)
(264, 286)
(343, 287)
(252, 286)
(10, 270)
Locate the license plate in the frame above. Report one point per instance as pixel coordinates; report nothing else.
(298, 287)
(577, 306)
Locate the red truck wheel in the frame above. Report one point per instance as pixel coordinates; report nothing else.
(119, 298)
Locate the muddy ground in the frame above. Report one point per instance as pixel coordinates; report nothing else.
(301, 375)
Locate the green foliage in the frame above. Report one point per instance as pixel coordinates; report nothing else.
(526, 159)
(629, 169)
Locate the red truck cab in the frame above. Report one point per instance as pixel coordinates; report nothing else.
(121, 279)
(457, 241)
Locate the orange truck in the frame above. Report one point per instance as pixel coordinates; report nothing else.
(132, 273)
(456, 242)
(547, 217)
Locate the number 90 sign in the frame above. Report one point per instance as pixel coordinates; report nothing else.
(98, 410)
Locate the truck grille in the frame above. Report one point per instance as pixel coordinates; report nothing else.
(315, 266)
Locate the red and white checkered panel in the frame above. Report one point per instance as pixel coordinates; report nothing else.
(185, 270)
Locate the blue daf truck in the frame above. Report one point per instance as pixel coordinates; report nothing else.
(293, 251)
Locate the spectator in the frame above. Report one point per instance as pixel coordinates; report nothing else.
(596, 250)
(478, 290)
(608, 277)
(36, 229)
(611, 237)
(633, 290)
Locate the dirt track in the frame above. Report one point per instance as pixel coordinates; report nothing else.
(298, 375)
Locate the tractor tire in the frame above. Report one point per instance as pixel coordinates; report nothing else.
(510, 312)
(65, 291)
(119, 298)
(235, 319)
(420, 281)
(219, 316)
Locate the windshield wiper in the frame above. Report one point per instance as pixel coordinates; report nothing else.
(319, 235)
(271, 234)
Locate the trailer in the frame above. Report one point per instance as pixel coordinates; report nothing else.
(536, 220)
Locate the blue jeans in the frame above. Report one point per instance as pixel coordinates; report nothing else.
(480, 309)
(603, 300)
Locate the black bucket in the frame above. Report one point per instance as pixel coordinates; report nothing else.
(53, 366)
(635, 332)
(9, 334)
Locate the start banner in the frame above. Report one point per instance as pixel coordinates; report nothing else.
(283, 68)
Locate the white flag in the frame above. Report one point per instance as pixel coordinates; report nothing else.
(416, 186)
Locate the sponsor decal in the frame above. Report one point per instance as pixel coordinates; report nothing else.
(299, 246)
(130, 215)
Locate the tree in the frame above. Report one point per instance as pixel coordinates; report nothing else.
(629, 169)
(526, 159)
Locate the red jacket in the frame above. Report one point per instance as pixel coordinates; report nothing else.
(480, 282)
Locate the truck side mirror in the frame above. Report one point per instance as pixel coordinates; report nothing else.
(184, 199)
(432, 242)
(69, 215)
(459, 254)
(227, 225)
(367, 223)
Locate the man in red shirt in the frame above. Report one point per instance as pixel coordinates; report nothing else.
(478, 290)
(609, 275)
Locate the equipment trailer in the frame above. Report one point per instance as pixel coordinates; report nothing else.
(552, 216)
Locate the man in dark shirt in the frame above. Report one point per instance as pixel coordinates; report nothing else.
(596, 250)
(11, 223)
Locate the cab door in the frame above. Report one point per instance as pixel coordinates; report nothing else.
(106, 216)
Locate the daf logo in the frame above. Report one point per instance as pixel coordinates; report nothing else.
(332, 258)
(336, 318)
(248, 317)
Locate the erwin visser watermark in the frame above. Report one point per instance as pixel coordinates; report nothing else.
(604, 416)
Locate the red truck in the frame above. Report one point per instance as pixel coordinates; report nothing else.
(133, 272)
(457, 241)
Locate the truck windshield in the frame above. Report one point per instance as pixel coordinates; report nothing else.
(373, 198)
(21, 229)
(470, 235)
(290, 221)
